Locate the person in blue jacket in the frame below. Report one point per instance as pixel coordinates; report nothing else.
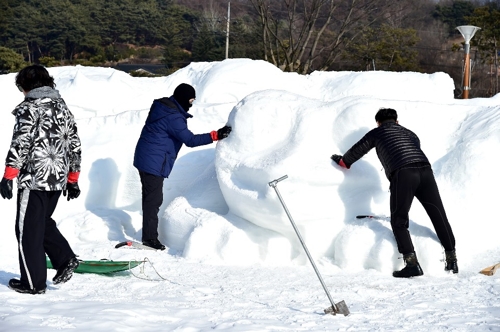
(162, 136)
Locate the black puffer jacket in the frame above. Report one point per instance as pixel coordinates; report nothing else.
(396, 147)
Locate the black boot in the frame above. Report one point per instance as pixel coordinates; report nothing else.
(451, 261)
(154, 243)
(15, 284)
(412, 268)
(65, 272)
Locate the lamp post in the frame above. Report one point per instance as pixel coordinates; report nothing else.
(227, 28)
(467, 32)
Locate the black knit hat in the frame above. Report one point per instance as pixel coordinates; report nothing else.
(183, 93)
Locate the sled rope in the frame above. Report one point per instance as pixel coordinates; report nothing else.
(142, 275)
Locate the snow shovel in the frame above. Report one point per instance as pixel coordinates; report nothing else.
(340, 307)
(490, 270)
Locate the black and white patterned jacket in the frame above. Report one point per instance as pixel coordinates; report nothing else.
(45, 145)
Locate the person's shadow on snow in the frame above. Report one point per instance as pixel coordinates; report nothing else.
(362, 182)
(101, 199)
(361, 185)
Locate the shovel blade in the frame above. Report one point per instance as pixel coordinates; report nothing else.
(339, 308)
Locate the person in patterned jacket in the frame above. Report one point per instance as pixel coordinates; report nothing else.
(410, 175)
(44, 156)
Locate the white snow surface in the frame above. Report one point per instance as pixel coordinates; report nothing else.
(234, 262)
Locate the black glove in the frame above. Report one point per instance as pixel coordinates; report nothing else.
(223, 132)
(336, 158)
(6, 188)
(72, 189)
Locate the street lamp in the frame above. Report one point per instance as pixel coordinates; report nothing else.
(227, 29)
(467, 32)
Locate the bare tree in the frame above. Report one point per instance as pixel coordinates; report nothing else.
(305, 35)
(213, 15)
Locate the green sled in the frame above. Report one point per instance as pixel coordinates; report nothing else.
(102, 267)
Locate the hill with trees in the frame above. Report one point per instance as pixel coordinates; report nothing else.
(295, 35)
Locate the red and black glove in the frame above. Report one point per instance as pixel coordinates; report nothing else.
(338, 159)
(221, 133)
(6, 183)
(72, 188)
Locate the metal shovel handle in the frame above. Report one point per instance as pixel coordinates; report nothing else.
(335, 308)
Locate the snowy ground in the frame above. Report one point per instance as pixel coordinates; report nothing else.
(233, 261)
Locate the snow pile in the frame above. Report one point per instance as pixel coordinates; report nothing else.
(220, 210)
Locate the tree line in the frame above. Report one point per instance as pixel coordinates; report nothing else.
(95, 32)
(295, 35)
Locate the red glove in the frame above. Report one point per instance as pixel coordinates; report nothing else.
(72, 188)
(10, 173)
(73, 177)
(213, 134)
(338, 159)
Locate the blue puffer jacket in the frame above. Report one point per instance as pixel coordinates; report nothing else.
(162, 137)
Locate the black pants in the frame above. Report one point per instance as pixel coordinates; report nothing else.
(37, 234)
(152, 198)
(419, 182)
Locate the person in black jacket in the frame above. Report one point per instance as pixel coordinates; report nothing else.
(162, 137)
(410, 175)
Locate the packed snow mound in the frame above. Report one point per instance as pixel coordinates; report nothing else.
(222, 221)
(97, 91)
(218, 204)
(409, 86)
(277, 133)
